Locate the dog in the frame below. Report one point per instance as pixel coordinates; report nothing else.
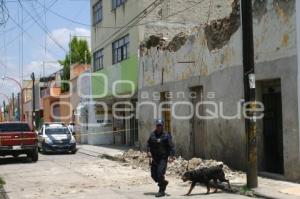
(204, 176)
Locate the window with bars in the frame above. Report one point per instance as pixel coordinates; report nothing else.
(98, 60)
(117, 3)
(120, 49)
(97, 12)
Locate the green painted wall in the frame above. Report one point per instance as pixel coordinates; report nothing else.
(126, 70)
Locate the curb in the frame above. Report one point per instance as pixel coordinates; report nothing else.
(104, 155)
(88, 152)
(274, 197)
(264, 196)
(100, 155)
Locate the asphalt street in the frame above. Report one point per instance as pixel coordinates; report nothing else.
(83, 176)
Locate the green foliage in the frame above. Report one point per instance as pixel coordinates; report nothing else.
(39, 121)
(80, 54)
(2, 182)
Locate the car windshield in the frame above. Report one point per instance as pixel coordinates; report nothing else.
(56, 131)
(14, 127)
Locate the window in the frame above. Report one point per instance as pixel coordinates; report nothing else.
(98, 60)
(120, 49)
(14, 127)
(117, 3)
(97, 12)
(57, 131)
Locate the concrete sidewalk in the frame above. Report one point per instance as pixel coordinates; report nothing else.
(268, 188)
(107, 150)
(275, 189)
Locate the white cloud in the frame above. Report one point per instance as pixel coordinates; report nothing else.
(54, 53)
(41, 68)
(62, 36)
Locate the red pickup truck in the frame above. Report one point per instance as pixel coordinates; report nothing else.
(16, 139)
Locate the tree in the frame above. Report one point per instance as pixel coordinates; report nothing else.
(79, 54)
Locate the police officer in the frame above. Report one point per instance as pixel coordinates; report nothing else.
(160, 148)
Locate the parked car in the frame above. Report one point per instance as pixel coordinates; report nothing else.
(16, 139)
(56, 137)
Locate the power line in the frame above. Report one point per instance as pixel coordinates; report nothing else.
(15, 38)
(22, 44)
(181, 11)
(45, 24)
(66, 18)
(4, 14)
(115, 27)
(24, 31)
(133, 21)
(45, 29)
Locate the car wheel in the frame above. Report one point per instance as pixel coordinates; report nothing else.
(34, 155)
(16, 155)
(74, 151)
(43, 150)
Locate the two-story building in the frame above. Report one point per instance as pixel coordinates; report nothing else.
(119, 26)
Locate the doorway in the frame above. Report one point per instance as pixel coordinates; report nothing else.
(272, 127)
(197, 131)
(166, 110)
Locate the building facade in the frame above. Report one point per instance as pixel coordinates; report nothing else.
(200, 89)
(119, 26)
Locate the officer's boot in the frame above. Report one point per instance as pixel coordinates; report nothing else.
(164, 187)
(160, 194)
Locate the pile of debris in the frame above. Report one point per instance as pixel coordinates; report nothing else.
(138, 159)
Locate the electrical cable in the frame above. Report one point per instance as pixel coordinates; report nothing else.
(15, 38)
(66, 18)
(135, 20)
(45, 29)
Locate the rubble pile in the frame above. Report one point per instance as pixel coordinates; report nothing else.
(138, 159)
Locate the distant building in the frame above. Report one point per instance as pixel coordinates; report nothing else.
(50, 97)
(27, 100)
(75, 100)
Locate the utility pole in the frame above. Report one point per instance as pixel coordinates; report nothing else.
(249, 89)
(19, 108)
(4, 107)
(13, 106)
(33, 100)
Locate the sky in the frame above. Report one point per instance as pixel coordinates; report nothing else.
(43, 27)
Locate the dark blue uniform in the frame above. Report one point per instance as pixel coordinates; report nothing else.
(160, 146)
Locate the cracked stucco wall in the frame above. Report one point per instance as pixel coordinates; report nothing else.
(204, 60)
(175, 16)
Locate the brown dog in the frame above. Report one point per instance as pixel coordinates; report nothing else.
(204, 176)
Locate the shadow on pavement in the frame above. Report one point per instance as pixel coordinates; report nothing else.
(11, 160)
(153, 194)
(56, 153)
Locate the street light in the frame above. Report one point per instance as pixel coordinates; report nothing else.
(33, 99)
(21, 92)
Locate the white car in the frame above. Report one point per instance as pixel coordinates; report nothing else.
(56, 137)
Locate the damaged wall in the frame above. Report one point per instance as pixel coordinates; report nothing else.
(171, 18)
(213, 60)
(210, 57)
